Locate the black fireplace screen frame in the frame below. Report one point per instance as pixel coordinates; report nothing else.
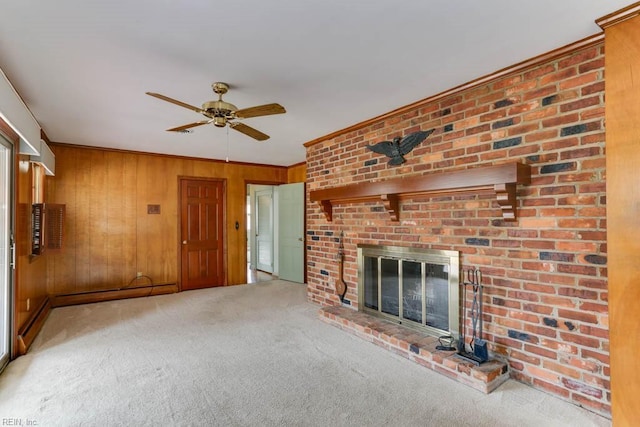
(420, 263)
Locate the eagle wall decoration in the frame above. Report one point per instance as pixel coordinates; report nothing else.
(399, 147)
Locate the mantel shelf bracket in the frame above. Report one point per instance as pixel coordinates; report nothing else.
(391, 205)
(506, 196)
(327, 209)
(501, 180)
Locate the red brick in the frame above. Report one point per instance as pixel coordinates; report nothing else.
(578, 293)
(594, 332)
(561, 120)
(594, 307)
(582, 388)
(534, 349)
(540, 71)
(578, 58)
(562, 347)
(558, 76)
(590, 354)
(580, 340)
(554, 389)
(577, 315)
(561, 369)
(559, 212)
(540, 330)
(581, 80)
(591, 404)
(597, 87)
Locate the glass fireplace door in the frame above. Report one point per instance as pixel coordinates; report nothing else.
(412, 289)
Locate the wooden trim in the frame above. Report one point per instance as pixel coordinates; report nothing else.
(64, 300)
(32, 327)
(516, 68)
(297, 164)
(8, 132)
(171, 156)
(304, 237)
(618, 16)
(500, 180)
(622, 110)
(13, 138)
(44, 137)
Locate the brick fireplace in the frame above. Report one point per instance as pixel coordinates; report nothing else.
(545, 295)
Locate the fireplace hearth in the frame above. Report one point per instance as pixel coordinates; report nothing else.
(415, 287)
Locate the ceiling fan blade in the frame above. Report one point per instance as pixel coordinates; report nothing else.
(249, 131)
(175, 101)
(260, 110)
(188, 126)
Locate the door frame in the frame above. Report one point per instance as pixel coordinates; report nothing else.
(270, 193)
(225, 252)
(248, 182)
(14, 139)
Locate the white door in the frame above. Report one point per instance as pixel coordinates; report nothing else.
(264, 230)
(6, 249)
(291, 232)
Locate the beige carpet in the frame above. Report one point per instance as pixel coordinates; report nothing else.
(254, 355)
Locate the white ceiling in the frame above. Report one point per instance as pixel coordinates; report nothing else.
(83, 66)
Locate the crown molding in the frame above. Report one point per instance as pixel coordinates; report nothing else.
(619, 16)
(169, 156)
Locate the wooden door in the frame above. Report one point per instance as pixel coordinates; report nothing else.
(202, 207)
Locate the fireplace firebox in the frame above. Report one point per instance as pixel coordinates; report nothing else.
(416, 287)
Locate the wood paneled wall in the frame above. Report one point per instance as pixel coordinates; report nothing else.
(31, 289)
(297, 173)
(30, 274)
(110, 237)
(622, 86)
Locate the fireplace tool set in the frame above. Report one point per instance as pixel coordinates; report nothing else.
(479, 352)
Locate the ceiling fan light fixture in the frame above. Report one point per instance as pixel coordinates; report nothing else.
(222, 113)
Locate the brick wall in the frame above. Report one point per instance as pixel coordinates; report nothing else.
(545, 302)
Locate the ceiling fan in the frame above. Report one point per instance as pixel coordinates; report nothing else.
(222, 113)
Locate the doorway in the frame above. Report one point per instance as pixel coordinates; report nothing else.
(275, 232)
(7, 254)
(264, 230)
(261, 254)
(202, 243)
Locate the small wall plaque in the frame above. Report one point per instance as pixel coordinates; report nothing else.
(153, 209)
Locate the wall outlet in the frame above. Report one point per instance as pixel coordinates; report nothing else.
(139, 274)
(28, 304)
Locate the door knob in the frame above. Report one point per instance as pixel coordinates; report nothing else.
(299, 239)
(184, 242)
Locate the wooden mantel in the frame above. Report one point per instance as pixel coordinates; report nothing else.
(500, 180)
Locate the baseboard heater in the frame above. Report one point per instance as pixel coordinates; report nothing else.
(89, 297)
(30, 330)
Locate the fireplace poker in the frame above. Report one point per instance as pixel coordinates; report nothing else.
(479, 353)
(479, 344)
